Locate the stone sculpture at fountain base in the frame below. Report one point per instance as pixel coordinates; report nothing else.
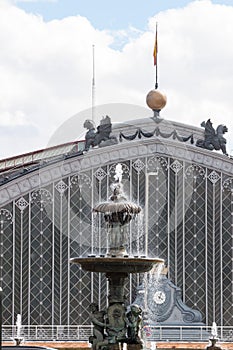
(117, 324)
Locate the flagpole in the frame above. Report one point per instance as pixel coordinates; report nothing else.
(156, 77)
(93, 85)
(156, 67)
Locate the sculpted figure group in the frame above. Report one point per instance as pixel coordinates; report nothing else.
(115, 326)
(100, 137)
(213, 139)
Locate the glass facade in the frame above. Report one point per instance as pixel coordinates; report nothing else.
(187, 219)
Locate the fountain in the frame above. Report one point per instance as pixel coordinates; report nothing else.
(117, 327)
(214, 338)
(18, 339)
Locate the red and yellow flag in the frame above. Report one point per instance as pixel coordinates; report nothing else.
(155, 52)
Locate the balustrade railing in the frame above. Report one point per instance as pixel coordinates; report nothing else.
(150, 333)
(41, 155)
(48, 333)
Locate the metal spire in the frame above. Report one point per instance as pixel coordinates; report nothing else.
(93, 84)
(155, 54)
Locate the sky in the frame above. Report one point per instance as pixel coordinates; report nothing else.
(46, 65)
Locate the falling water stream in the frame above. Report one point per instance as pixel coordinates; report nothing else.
(152, 283)
(18, 338)
(18, 326)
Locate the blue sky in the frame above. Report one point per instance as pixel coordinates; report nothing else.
(103, 14)
(46, 65)
(106, 14)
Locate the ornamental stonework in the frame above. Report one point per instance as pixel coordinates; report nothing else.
(30, 181)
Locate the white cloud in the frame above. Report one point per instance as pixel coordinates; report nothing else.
(46, 70)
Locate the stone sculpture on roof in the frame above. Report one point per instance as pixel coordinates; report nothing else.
(102, 137)
(214, 139)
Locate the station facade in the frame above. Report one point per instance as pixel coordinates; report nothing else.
(46, 217)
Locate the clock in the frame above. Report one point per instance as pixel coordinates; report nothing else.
(159, 297)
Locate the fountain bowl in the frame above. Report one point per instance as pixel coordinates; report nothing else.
(116, 264)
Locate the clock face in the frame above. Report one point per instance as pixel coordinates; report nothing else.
(159, 297)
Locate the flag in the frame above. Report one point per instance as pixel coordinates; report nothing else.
(155, 52)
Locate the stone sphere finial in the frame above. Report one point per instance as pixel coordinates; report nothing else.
(156, 100)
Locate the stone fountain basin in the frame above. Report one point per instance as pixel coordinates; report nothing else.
(116, 264)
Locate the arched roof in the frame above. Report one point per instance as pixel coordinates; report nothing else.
(97, 157)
